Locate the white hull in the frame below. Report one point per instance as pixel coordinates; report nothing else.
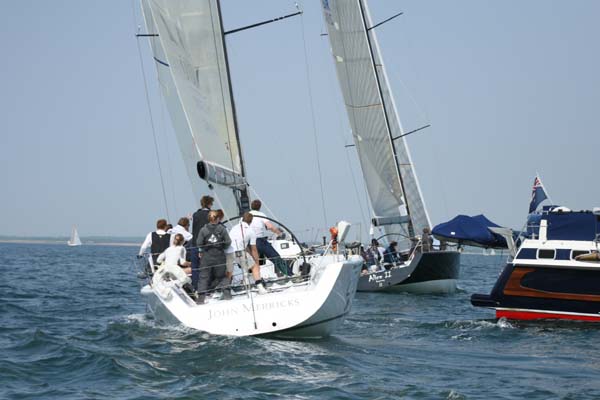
(311, 310)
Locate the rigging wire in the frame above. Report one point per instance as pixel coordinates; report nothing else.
(169, 165)
(313, 119)
(146, 91)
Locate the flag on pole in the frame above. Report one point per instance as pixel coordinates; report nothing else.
(538, 194)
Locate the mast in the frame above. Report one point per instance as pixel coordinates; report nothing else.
(244, 201)
(386, 117)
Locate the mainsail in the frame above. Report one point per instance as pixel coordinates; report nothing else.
(385, 162)
(191, 60)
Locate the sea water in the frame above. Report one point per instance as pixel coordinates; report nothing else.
(74, 326)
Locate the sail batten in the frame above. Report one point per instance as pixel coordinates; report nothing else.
(192, 67)
(387, 167)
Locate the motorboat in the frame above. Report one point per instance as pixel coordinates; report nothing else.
(554, 272)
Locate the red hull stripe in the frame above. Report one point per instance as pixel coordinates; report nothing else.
(526, 315)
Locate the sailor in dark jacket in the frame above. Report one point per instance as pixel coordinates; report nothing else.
(390, 255)
(199, 219)
(213, 240)
(157, 241)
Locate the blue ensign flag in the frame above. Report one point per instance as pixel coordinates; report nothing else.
(537, 195)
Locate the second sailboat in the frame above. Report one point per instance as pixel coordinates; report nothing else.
(398, 208)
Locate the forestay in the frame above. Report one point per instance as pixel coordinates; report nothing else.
(192, 70)
(391, 183)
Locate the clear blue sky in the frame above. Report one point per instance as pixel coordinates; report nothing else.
(510, 88)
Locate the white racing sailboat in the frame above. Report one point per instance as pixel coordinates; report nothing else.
(188, 44)
(74, 240)
(398, 208)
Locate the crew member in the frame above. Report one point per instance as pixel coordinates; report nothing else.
(199, 219)
(243, 251)
(334, 235)
(182, 227)
(390, 255)
(374, 255)
(212, 241)
(175, 254)
(157, 241)
(261, 226)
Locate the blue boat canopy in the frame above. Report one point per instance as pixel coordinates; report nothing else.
(576, 225)
(564, 224)
(472, 231)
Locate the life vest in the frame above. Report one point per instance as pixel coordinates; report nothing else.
(159, 244)
(334, 234)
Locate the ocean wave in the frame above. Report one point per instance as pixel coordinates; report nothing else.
(69, 333)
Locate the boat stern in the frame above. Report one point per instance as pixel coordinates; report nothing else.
(335, 306)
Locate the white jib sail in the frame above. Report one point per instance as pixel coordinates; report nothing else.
(373, 116)
(191, 63)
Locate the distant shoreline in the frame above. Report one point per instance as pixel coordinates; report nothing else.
(64, 243)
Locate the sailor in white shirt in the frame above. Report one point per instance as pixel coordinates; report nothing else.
(157, 241)
(182, 227)
(243, 239)
(175, 254)
(261, 227)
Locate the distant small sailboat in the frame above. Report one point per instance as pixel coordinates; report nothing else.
(74, 241)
